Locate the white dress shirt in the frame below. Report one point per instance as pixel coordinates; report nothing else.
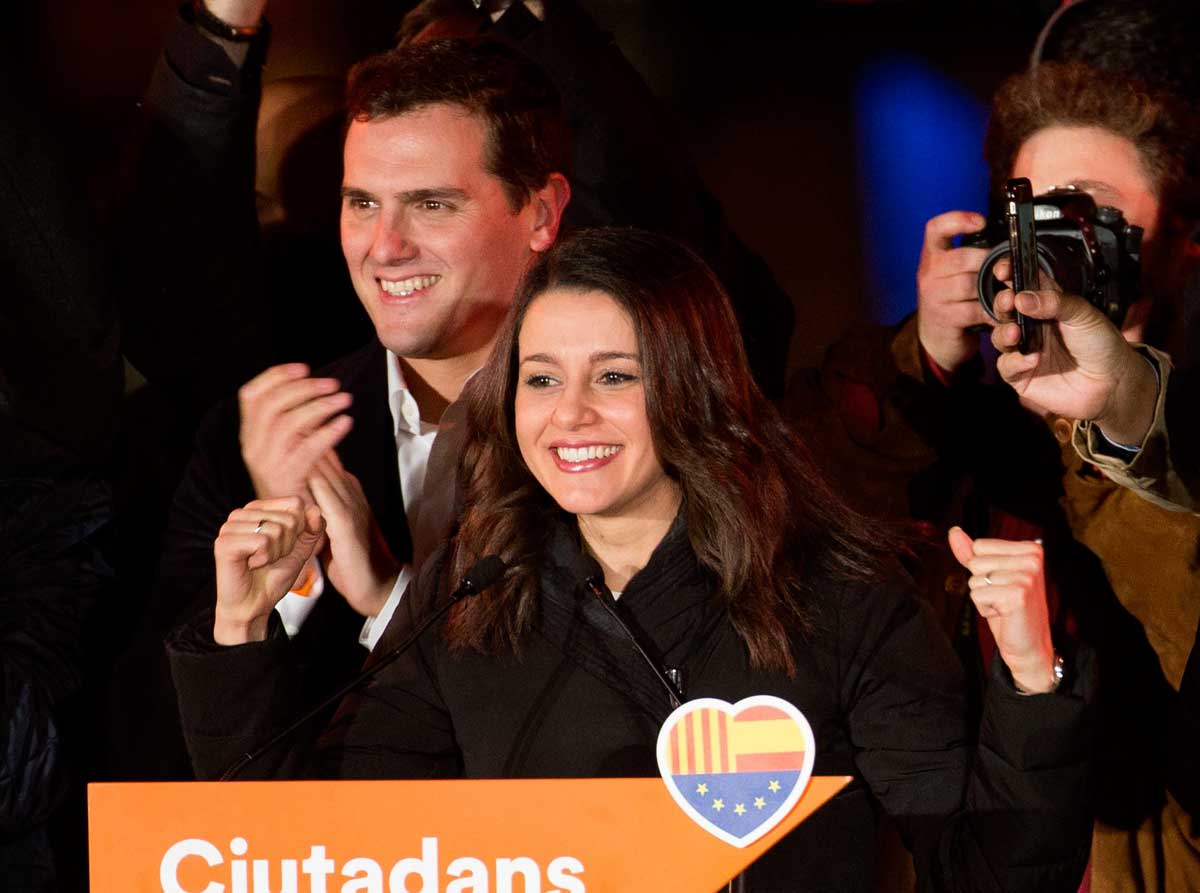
(414, 440)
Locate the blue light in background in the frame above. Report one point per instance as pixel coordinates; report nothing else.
(920, 152)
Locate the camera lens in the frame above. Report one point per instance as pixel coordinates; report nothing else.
(987, 286)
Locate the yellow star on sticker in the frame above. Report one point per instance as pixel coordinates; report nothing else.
(759, 802)
(740, 809)
(773, 787)
(702, 789)
(718, 804)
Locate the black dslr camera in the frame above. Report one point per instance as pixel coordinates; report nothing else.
(1091, 252)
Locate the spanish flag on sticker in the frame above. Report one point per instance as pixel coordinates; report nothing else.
(736, 769)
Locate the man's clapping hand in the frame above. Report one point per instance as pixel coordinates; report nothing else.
(288, 422)
(259, 552)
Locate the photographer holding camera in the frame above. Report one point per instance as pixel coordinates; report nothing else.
(1134, 414)
(915, 421)
(1090, 373)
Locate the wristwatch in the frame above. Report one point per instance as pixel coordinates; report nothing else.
(220, 28)
(1059, 670)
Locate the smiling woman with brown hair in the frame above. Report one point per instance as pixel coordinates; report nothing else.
(618, 443)
(719, 450)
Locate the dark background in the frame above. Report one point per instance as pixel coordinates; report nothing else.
(802, 117)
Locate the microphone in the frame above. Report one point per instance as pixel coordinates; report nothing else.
(486, 572)
(593, 582)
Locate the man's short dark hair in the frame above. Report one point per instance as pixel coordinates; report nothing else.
(528, 138)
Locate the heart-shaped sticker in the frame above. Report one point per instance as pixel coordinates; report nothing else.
(736, 769)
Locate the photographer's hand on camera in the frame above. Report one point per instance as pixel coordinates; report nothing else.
(947, 304)
(1086, 369)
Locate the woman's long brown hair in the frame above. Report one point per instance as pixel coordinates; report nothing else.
(761, 519)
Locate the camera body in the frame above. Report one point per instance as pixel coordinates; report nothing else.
(1089, 251)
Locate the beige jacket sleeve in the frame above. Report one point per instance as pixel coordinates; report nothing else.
(1149, 472)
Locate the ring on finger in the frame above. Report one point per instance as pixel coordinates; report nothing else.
(987, 578)
(259, 528)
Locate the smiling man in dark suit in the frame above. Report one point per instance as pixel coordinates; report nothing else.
(453, 182)
(451, 185)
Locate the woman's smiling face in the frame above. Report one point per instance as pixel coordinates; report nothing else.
(580, 413)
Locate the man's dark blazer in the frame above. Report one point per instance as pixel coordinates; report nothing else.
(215, 483)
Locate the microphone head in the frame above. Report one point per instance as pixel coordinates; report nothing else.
(586, 568)
(487, 570)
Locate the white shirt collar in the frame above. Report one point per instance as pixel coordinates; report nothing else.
(406, 415)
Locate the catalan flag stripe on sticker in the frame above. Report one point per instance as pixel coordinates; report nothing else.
(762, 739)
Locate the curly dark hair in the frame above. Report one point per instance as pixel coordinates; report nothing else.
(1165, 133)
(528, 135)
(761, 519)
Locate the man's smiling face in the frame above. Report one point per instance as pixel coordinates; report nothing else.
(433, 245)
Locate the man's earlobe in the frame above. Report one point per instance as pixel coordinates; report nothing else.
(549, 202)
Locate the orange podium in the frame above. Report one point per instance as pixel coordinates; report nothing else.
(470, 836)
